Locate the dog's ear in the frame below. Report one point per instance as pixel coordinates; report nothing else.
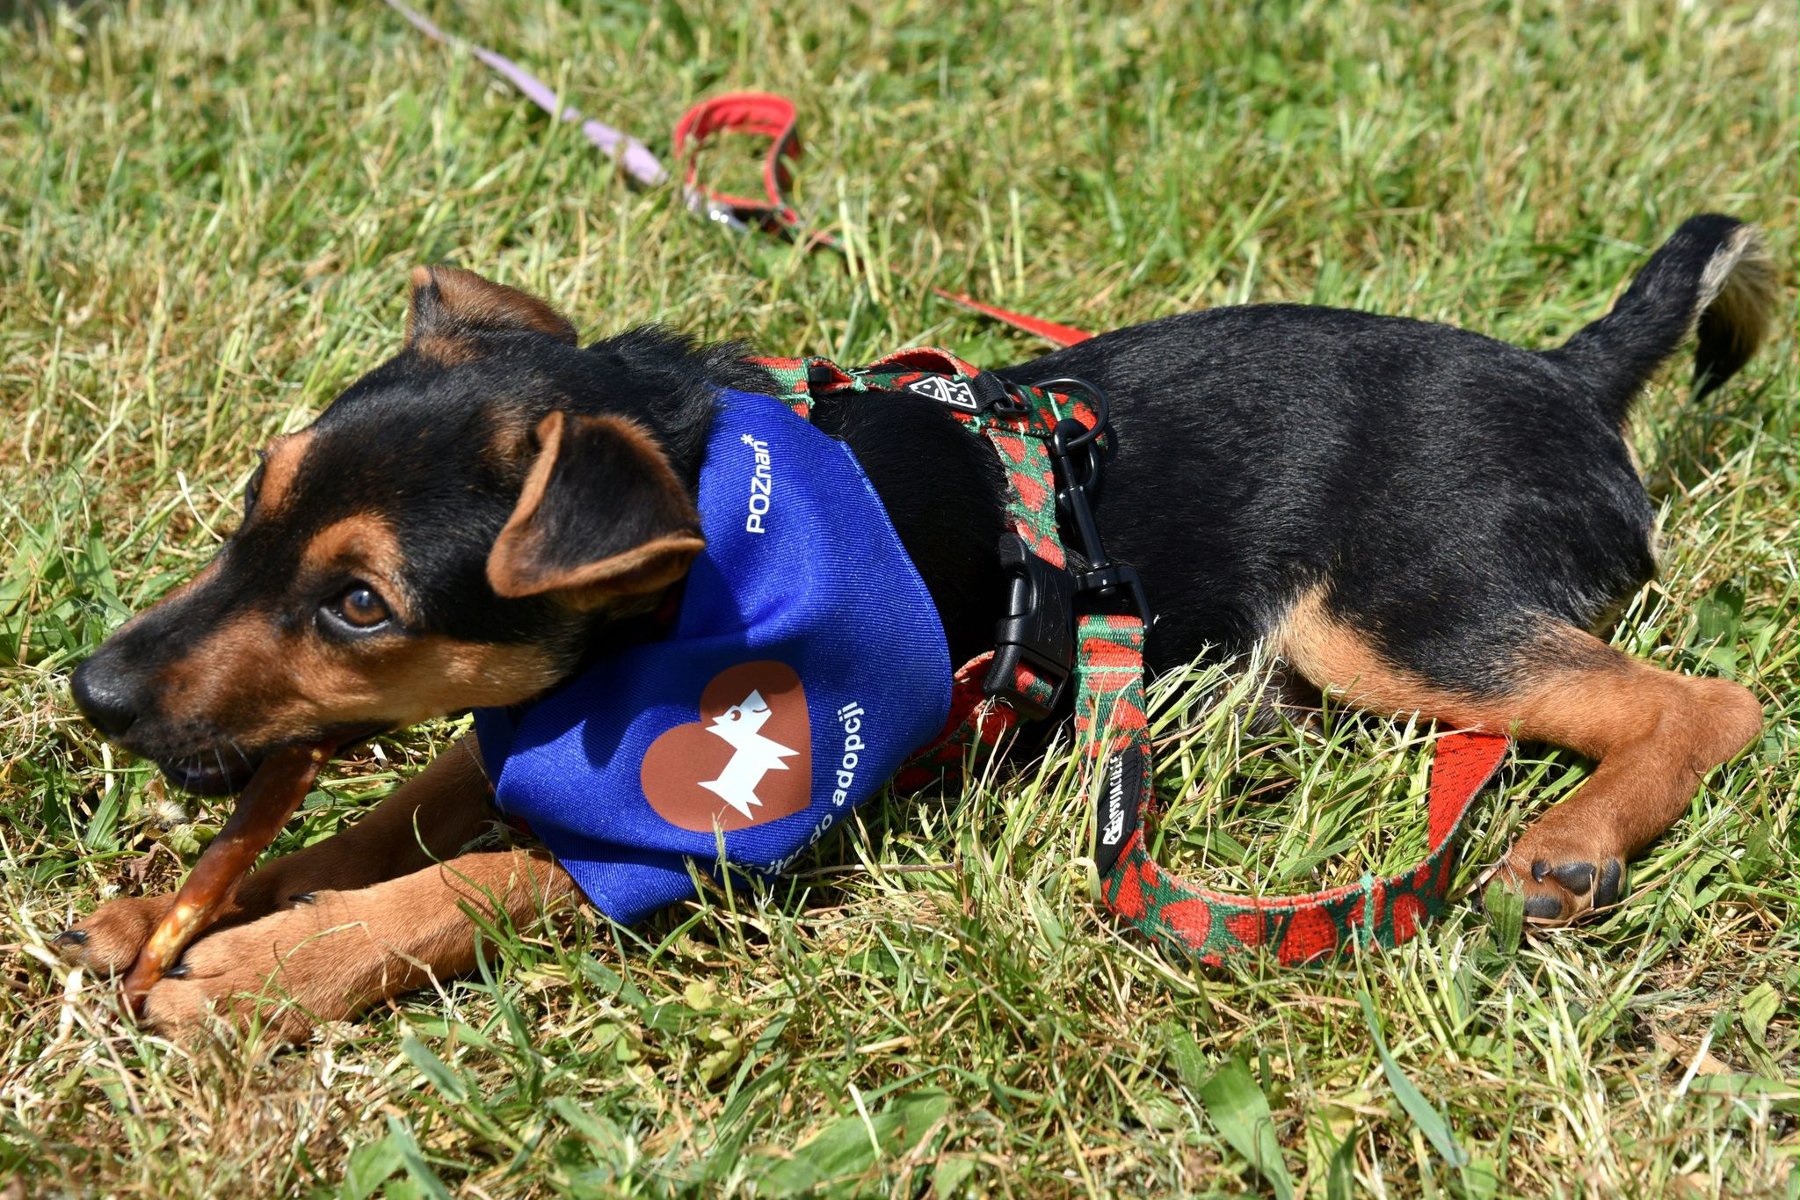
(602, 516)
(450, 305)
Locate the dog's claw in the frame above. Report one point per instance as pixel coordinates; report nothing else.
(302, 898)
(178, 971)
(1577, 877)
(1608, 890)
(1544, 908)
(70, 939)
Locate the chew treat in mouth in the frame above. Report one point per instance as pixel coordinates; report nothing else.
(275, 791)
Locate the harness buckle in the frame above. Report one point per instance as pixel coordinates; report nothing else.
(1078, 478)
(1036, 637)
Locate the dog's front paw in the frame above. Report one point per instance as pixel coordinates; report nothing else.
(108, 940)
(1560, 885)
(285, 973)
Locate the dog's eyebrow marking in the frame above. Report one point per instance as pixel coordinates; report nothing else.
(367, 545)
(446, 350)
(280, 466)
(508, 444)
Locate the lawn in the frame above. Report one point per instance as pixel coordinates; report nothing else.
(207, 216)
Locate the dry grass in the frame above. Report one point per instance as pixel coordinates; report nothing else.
(207, 213)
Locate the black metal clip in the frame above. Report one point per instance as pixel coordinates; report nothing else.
(1075, 449)
(1038, 630)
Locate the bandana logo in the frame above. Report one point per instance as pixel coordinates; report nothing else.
(762, 484)
(746, 761)
(752, 754)
(955, 392)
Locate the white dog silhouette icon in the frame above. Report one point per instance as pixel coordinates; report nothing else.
(753, 755)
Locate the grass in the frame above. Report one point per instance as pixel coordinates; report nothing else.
(207, 213)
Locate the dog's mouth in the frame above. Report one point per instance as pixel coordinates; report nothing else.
(228, 771)
(222, 774)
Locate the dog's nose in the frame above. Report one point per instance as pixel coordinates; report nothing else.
(108, 698)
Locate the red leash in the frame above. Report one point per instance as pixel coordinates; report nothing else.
(764, 115)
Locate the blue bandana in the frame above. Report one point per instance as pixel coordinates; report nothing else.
(806, 665)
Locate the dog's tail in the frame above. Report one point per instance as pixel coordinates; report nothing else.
(1714, 277)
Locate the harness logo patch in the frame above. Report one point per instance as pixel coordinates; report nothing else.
(746, 761)
(1115, 802)
(955, 392)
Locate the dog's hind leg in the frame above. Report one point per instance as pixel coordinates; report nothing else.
(1654, 735)
(430, 817)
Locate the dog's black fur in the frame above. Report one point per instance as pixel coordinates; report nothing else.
(1453, 504)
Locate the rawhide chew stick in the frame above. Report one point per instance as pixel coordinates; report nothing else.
(275, 791)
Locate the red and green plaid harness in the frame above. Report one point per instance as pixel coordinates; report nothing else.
(1043, 435)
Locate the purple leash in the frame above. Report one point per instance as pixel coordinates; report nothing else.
(632, 154)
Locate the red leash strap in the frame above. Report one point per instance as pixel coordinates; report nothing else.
(759, 114)
(764, 115)
(1050, 331)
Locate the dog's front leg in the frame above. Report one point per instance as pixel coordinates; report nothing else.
(429, 818)
(342, 951)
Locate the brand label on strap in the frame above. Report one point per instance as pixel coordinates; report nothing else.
(1117, 789)
(955, 392)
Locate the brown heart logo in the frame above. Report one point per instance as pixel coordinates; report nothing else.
(746, 761)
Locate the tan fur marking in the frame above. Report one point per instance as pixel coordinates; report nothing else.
(1654, 733)
(1584, 696)
(364, 545)
(345, 950)
(280, 466)
(509, 439)
(429, 818)
(260, 684)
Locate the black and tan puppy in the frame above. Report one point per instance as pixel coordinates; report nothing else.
(1417, 517)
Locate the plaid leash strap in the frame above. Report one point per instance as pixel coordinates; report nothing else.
(1384, 911)
(1018, 433)
(1110, 714)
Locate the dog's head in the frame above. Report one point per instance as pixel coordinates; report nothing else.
(450, 533)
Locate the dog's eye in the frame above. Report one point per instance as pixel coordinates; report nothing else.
(360, 607)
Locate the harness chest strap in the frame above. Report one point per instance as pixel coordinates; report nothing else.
(1110, 717)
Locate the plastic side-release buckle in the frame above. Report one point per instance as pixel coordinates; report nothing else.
(1038, 631)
